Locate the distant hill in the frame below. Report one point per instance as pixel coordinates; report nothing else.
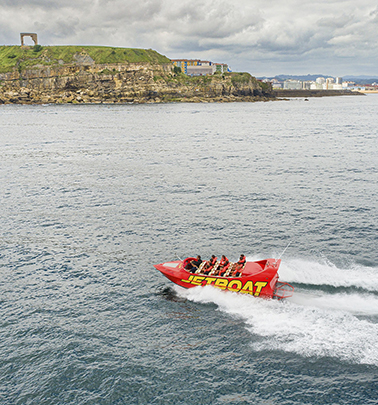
(362, 79)
(357, 79)
(26, 57)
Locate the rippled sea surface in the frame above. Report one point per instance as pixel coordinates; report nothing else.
(93, 196)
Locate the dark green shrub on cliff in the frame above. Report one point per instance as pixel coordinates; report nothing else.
(106, 72)
(240, 78)
(206, 79)
(37, 48)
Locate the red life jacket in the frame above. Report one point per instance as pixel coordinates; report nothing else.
(223, 262)
(213, 261)
(241, 262)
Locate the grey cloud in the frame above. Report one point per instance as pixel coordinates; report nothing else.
(43, 4)
(291, 33)
(127, 11)
(66, 27)
(335, 22)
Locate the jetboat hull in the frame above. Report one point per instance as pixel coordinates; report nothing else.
(259, 278)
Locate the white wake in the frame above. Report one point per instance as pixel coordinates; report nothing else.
(326, 273)
(342, 326)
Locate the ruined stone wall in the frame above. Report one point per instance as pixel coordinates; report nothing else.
(32, 35)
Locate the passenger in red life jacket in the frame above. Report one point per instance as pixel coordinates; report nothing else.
(223, 265)
(239, 266)
(209, 265)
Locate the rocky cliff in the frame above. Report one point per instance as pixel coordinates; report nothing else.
(80, 78)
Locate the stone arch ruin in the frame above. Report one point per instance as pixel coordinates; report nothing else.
(29, 34)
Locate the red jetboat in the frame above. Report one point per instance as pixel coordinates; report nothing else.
(259, 278)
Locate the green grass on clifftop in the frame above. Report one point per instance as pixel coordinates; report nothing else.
(16, 57)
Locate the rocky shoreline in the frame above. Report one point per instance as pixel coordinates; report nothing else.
(88, 82)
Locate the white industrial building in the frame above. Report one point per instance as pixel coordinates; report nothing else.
(292, 85)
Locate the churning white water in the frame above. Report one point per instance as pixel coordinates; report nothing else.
(314, 322)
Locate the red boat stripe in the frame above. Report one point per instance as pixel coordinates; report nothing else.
(189, 279)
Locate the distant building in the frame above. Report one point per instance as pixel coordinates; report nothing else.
(181, 63)
(371, 87)
(197, 67)
(221, 67)
(292, 85)
(306, 85)
(337, 86)
(330, 81)
(200, 70)
(316, 85)
(348, 85)
(276, 84)
(320, 83)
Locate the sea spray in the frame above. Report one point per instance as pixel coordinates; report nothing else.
(326, 273)
(311, 329)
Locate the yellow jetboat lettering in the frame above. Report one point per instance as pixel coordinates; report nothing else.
(210, 280)
(221, 283)
(233, 283)
(247, 288)
(197, 280)
(259, 286)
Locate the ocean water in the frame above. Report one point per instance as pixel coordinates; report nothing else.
(93, 196)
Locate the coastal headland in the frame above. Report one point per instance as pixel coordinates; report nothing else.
(98, 74)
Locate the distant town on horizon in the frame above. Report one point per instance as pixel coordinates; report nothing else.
(322, 82)
(309, 77)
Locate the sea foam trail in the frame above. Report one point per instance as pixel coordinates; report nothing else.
(307, 330)
(353, 303)
(313, 273)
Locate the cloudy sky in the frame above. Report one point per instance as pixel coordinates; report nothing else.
(263, 37)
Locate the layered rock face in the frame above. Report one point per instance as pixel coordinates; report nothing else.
(88, 82)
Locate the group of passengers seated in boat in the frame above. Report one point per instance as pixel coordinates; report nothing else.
(214, 267)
